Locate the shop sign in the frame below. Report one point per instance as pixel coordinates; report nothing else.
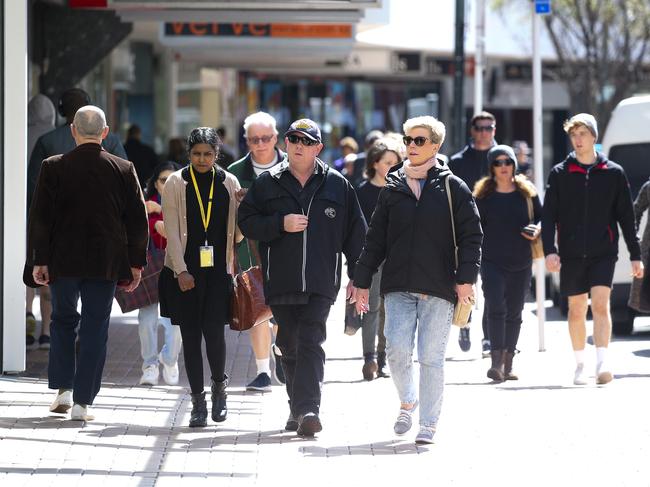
(406, 62)
(207, 29)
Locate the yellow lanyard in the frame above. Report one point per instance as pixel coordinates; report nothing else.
(205, 218)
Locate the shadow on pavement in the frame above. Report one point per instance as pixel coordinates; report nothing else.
(372, 449)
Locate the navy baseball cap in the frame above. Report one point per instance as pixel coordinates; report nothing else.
(305, 126)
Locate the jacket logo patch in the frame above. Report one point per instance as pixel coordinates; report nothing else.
(330, 212)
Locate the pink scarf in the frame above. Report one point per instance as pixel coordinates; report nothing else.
(413, 173)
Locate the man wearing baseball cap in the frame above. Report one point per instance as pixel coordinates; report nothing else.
(587, 197)
(303, 214)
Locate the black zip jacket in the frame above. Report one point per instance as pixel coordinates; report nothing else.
(308, 261)
(584, 208)
(415, 237)
(470, 165)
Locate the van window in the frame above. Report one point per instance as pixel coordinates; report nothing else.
(635, 159)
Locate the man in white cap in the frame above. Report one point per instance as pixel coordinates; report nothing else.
(587, 197)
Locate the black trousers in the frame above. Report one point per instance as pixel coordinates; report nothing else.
(301, 333)
(504, 293)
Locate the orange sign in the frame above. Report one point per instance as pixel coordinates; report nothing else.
(302, 31)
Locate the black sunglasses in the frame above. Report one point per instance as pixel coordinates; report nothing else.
(162, 180)
(306, 141)
(484, 128)
(419, 141)
(503, 162)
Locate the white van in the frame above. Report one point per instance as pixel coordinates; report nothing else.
(627, 142)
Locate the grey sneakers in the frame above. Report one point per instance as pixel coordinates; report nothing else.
(404, 420)
(425, 435)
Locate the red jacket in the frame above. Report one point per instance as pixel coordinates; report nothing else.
(158, 240)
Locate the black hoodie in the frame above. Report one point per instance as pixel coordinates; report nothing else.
(415, 237)
(586, 207)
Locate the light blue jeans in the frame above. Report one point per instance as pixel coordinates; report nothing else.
(431, 316)
(148, 321)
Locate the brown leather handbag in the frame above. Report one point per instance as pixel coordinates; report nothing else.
(249, 306)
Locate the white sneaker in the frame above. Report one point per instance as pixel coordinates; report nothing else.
(579, 377)
(62, 403)
(150, 376)
(80, 413)
(603, 375)
(169, 373)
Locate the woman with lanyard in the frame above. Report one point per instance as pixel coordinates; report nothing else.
(199, 210)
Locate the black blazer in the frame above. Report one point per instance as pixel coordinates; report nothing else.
(88, 218)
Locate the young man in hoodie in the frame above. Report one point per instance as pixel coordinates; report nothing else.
(470, 165)
(587, 197)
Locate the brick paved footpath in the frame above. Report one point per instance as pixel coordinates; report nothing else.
(535, 431)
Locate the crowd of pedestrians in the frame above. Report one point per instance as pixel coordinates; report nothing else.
(412, 232)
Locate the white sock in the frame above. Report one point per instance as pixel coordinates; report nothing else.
(601, 355)
(263, 366)
(580, 356)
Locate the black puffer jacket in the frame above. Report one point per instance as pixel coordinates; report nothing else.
(585, 208)
(415, 237)
(308, 261)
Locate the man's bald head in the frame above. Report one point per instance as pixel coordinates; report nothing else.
(90, 122)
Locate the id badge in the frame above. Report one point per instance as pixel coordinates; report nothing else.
(206, 254)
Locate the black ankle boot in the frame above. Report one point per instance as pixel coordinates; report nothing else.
(507, 367)
(219, 396)
(369, 366)
(381, 365)
(199, 414)
(496, 371)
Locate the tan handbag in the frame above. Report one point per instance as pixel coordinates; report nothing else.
(536, 246)
(462, 312)
(249, 306)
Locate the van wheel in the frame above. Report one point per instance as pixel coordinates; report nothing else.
(623, 325)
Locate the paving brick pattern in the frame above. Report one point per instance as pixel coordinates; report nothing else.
(535, 431)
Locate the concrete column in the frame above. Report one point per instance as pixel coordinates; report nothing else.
(14, 181)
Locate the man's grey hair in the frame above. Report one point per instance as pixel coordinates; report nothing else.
(260, 118)
(89, 121)
(436, 127)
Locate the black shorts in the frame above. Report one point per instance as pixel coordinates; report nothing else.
(579, 276)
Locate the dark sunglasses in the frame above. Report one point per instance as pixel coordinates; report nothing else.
(419, 141)
(484, 128)
(306, 141)
(265, 139)
(503, 162)
(162, 180)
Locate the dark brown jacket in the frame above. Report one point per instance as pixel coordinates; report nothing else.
(88, 218)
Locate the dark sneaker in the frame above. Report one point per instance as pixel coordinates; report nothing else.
(278, 371)
(44, 342)
(309, 425)
(463, 339)
(30, 342)
(485, 348)
(261, 383)
(292, 423)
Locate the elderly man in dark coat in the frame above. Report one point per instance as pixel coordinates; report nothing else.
(88, 232)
